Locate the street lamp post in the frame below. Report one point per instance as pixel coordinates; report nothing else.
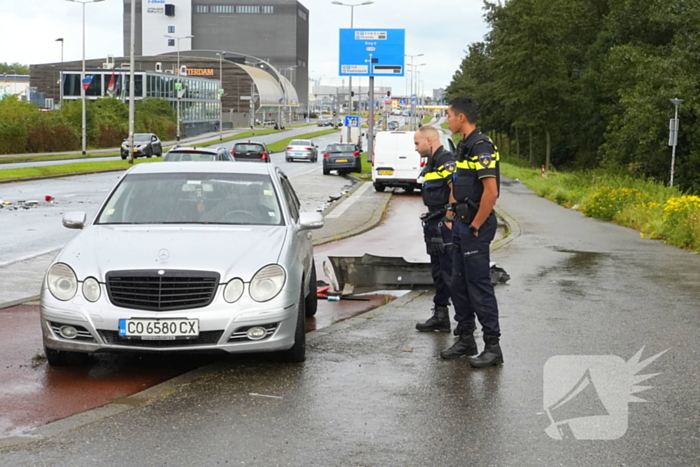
(221, 94)
(412, 79)
(286, 92)
(673, 137)
(82, 76)
(178, 84)
(352, 25)
(60, 39)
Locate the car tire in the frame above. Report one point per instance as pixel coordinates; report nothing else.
(63, 358)
(297, 353)
(123, 157)
(288, 159)
(379, 187)
(326, 171)
(311, 305)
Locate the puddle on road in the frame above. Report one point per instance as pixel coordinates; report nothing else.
(574, 273)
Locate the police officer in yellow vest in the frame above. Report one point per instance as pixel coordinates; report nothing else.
(475, 189)
(436, 191)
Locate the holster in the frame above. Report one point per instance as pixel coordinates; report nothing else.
(465, 213)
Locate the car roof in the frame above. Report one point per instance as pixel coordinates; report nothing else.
(204, 167)
(249, 142)
(194, 149)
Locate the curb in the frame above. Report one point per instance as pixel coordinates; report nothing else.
(168, 387)
(513, 230)
(372, 223)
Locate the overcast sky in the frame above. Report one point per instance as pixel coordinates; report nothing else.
(440, 29)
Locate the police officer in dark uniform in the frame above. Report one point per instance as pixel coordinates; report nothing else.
(475, 190)
(436, 190)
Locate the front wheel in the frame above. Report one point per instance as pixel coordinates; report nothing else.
(297, 353)
(379, 187)
(311, 304)
(123, 157)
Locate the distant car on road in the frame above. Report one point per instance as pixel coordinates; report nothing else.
(393, 125)
(250, 151)
(217, 259)
(186, 154)
(301, 149)
(325, 121)
(344, 158)
(145, 145)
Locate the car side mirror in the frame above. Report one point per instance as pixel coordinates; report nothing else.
(310, 220)
(74, 220)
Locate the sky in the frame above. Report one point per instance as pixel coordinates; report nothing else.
(439, 29)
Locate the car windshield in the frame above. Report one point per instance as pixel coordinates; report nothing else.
(142, 137)
(248, 148)
(340, 148)
(300, 142)
(178, 156)
(193, 198)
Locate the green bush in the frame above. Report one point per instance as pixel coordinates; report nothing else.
(13, 138)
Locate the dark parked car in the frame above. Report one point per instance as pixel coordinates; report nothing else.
(183, 154)
(145, 144)
(344, 158)
(250, 151)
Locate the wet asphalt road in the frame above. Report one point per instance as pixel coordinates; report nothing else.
(374, 392)
(28, 233)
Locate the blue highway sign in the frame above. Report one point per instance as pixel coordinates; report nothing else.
(372, 52)
(352, 121)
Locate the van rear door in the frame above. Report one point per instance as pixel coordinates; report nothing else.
(407, 160)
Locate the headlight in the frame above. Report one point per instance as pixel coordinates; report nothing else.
(267, 283)
(233, 290)
(91, 289)
(62, 281)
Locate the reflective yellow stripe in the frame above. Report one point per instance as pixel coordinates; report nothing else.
(437, 175)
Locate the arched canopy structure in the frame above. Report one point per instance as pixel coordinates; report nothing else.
(267, 87)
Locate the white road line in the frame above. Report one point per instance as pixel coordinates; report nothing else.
(345, 205)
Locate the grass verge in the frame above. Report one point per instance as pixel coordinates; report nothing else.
(656, 211)
(366, 173)
(280, 146)
(69, 169)
(58, 157)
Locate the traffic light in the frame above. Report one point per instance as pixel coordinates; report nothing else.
(352, 93)
(388, 94)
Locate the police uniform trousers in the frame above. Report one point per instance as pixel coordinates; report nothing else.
(472, 291)
(440, 265)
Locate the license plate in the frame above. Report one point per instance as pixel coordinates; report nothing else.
(386, 172)
(341, 160)
(159, 329)
(299, 154)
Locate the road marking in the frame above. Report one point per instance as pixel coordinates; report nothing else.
(345, 205)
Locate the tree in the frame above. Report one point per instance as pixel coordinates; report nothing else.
(13, 69)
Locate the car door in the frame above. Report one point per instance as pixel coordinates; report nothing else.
(302, 243)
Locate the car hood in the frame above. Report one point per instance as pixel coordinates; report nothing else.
(232, 251)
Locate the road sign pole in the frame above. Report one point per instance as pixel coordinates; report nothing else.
(370, 121)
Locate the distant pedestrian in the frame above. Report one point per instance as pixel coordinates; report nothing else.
(476, 189)
(437, 222)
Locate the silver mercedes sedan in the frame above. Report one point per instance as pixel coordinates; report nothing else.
(194, 256)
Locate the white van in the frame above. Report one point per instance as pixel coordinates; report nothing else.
(396, 162)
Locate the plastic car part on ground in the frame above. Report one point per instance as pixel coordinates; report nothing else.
(359, 274)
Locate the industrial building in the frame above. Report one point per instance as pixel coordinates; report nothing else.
(275, 31)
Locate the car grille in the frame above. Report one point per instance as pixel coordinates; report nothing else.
(204, 338)
(172, 290)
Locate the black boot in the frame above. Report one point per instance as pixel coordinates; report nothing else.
(439, 322)
(491, 356)
(464, 347)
